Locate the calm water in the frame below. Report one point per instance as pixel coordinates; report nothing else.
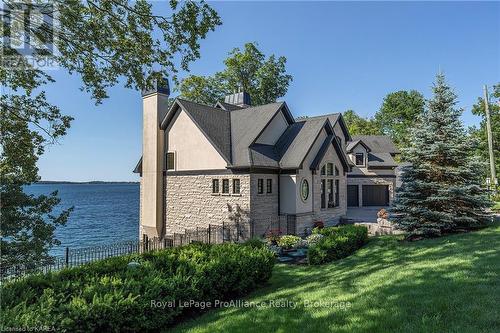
(103, 214)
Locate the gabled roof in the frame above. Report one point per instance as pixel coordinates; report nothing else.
(381, 160)
(247, 125)
(213, 122)
(352, 144)
(330, 140)
(378, 143)
(335, 118)
(302, 142)
(227, 106)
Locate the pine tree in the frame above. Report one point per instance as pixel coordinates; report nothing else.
(440, 190)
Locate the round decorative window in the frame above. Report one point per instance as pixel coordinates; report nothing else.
(304, 190)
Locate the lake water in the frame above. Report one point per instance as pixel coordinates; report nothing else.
(103, 213)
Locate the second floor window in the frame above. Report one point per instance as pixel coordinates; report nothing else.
(225, 186)
(360, 159)
(260, 186)
(170, 161)
(329, 169)
(269, 186)
(236, 186)
(215, 186)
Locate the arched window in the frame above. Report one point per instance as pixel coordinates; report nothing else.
(329, 186)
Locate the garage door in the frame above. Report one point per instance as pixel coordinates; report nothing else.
(375, 195)
(352, 196)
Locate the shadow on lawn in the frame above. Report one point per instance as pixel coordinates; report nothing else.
(438, 285)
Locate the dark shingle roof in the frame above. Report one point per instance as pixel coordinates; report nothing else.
(378, 143)
(381, 160)
(213, 122)
(302, 142)
(246, 125)
(227, 106)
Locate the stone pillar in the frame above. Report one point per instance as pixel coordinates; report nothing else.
(152, 214)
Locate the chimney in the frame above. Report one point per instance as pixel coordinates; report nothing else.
(154, 108)
(241, 99)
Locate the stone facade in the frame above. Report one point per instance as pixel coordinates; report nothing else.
(264, 207)
(190, 202)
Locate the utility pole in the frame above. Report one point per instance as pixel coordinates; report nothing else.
(490, 140)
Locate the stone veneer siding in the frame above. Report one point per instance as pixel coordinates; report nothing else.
(264, 208)
(191, 203)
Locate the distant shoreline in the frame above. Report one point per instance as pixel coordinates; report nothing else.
(48, 182)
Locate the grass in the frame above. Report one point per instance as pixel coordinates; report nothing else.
(450, 284)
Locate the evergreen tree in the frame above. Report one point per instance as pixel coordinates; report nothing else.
(441, 190)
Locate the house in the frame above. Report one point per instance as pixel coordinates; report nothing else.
(372, 179)
(234, 162)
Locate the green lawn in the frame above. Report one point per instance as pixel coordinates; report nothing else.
(451, 284)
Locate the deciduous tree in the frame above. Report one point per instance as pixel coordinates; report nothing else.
(102, 41)
(248, 69)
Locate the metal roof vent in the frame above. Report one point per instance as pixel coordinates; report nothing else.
(241, 99)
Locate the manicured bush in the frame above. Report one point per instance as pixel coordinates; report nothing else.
(336, 243)
(289, 241)
(108, 296)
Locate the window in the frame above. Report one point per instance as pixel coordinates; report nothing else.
(337, 171)
(323, 172)
(304, 190)
(236, 186)
(260, 186)
(269, 186)
(329, 169)
(170, 161)
(337, 203)
(215, 186)
(225, 186)
(330, 193)
(360, 159)
(323, 193)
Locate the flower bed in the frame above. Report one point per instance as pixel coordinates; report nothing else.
(112, 296)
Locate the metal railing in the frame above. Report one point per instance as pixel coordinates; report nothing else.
(212, 234)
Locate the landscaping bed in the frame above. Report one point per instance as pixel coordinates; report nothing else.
(322, 246)
(448, 284)
(135, 293)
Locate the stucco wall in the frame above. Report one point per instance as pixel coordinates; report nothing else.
(191, 204)
(151, 213)
(192, 149)
(274, 130)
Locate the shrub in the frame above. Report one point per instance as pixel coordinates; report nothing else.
(336, 243)
(313, 239)
(107, 296)
(255, 243)
(289, 241)
(272, 236)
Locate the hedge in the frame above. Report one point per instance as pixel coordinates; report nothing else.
(337, 243)
(109, 296)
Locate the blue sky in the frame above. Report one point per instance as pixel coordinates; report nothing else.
(341, 55)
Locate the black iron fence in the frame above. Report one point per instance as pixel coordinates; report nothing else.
(212, 234)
